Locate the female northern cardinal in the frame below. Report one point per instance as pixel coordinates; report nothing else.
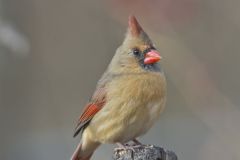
(129, 97)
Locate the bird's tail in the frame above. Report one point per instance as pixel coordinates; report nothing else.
(84, 152)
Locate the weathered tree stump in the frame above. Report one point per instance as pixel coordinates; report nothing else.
(143, 152)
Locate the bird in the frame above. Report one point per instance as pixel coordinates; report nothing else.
(128, 99)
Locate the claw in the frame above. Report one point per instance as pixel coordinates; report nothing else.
(125, 147)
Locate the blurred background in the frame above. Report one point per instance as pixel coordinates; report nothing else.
(52, 52)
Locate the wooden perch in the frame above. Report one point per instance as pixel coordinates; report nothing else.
(143, 152)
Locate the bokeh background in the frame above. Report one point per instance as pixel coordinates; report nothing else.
(52, 52)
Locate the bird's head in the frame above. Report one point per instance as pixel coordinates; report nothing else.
(137, 52)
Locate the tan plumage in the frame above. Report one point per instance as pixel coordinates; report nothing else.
(129, 97)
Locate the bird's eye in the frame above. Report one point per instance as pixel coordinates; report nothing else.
(136, 51)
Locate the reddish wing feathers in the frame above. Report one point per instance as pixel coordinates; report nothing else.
(95, 105)
(89, 112)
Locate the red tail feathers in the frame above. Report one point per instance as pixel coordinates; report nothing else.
(76, 155)
(86, 152)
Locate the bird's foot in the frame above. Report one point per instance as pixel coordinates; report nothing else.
(125, 147)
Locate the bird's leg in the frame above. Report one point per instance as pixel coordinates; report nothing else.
(136, 142)
(120, 145)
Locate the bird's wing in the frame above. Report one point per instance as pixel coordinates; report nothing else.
(96, 104)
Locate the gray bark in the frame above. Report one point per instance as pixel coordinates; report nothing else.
(143, 152)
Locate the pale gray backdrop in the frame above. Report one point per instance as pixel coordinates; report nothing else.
(43, 88)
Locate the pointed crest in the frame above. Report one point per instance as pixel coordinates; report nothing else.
(133, 25)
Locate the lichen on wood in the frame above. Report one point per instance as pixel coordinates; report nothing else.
(143, 152)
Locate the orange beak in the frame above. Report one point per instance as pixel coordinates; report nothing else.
(152, 57)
